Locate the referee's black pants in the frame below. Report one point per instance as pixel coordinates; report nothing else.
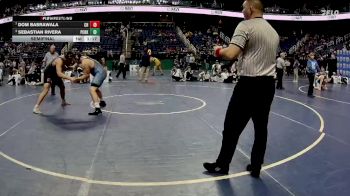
(279, 78)
(251, 98)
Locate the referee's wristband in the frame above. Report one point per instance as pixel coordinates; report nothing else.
(217, 52)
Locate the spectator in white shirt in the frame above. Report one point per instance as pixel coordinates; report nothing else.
(192, 59)
(177, 74)
(14, 78)
(14, 64)
(226, 76)
(204, 76)
(280, 69)
(216, 68)
(296, 66)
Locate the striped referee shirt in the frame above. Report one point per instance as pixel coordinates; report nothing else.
(280, 63)
(259, 42)
(49, 58)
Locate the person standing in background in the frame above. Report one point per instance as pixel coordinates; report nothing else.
(311, 69)
(192, 61)
(22, 73)
(14, 64)
(22, 63)
(322, 62)
(280, 65)
(100, 56)
(288, 66)
(296, 66)
(187, 60)
(216, 68)
(49, 57)
(144, 66)
(332, 65)
(122, 66)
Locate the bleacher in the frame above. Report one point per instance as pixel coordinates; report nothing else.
(161, 38)
(27, 50)
(203, 38)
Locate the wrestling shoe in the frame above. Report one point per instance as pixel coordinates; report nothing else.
(36, 110)
(103, 104)
(96, 112)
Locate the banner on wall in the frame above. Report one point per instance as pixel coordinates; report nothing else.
(337, 41)
(176, 9)
(343, 58)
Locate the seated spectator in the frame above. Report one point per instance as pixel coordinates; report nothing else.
(204, 76)
(338, 79)
(31, 76)
(189, 74)
(344, 80)
(14, 78)
(176, 74)
(321, 80)
(335, 79)
(226, 77)
(216, 78)
(22, 73)
(216, 68)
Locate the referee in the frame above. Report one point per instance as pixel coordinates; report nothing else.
(255, 42)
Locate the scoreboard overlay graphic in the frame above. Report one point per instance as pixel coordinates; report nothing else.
(54, 29)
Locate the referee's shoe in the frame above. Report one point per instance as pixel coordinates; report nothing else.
(215, 168)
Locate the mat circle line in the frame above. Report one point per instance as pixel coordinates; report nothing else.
(155, 113)
(326, 98)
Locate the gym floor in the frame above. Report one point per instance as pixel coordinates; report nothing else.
(153, 138)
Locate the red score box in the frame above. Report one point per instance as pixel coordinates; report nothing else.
(94, 24)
